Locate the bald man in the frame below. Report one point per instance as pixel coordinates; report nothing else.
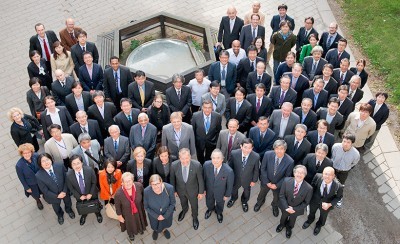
(255, 9)
(61, 87)
(236, 53)
(229, 28)
(69, 34)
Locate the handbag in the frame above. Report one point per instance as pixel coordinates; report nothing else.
(99, 162)
(111, 212)
(88, 206)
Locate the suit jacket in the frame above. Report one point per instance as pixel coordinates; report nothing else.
(243, 115)
(94, 130)
(23, 134)
(65, 118)
(109, 112)
(25, 174)
(66, 38)
(198, 124)
(89, 177)
(244, 68)
(123, 123)
(195, 182)
(302, 150)
(186, 140)
(302, 84)
(285, 169)
(122, 154)
(95, 150)
(71, 105)
(224, 32)
(158, 168)
(332, 57)
(362, 133)
(322, 100)
(147, 170)
(334, 195)
(247, 174)
(328, 139)
(77, 54)
(302, 39)
(381, 116)
(221, 103)
(345, 109)
(308, 64)
(148, 142)
(323, 42)
(265, 107)
(34, 43)
(310, 161)
(219, 186)
(276, 20)
(363, 75)
(336, 121)
(60, 92)
(49, 187)
(33, 71)
(266, 144)
(35, 103)
(110, 86)
(252, 82)
(94, 83)
(298, 202)
(331, 87)
(246, 35)
(222, 143)
(214, 73)
(134, 95)
(275, 122)
(51, 148)
(175, 104)
(276, 92)
(358, 95)
(336, 76)
(310, 120)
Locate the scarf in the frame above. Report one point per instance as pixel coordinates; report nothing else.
(110, 178)
(131, 199)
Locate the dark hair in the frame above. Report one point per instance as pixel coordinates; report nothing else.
(124, 99)
(349, 136)
(251, 48)
(86, 52)
(263, 118)
(56, 44)
(261, 86)
(49, 97)
(291, 53)
(163, 149)
(310, 18)
(214, 84)
(254, 14)
(382, 94)
(114, 57)
(343, 40)
(247, 141)
(282, 6)
(206, 101)
(111, 161)
(73, 157)
(328, 66)
(199, 71)
(42, 155)
(241, 89)
(343, 87)
(262, 41)
(53, 126)
(75, 84)
(324, 122)
(366, 107)
(39, 24)
(285, 22)
(361, 61)
(140, 73)
(313, 35)
(224, 52)
(334, 100)
(33, 53)
(97, 94)
(82, 32)
(33, 81)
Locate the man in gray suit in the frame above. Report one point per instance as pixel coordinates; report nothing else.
(117, 147)
(144, 134)
(230, 139)
(217, 98)
(187, 180)
(294, 196)
(178, 135)
(87, 147)
(331, 115)
(283, 121)
(218, 183)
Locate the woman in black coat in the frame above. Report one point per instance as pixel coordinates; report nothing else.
(37, 68)
(158, 114)
(162, 163)
(140, 166)
(360, 70)
(24, 128)
(35, 97)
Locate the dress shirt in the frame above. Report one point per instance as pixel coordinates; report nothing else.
(90, 70)
(321, 189)
(55, 117)
(198, 90)
(101, 110)
(119, 78)
(51, 168)
(218, 169)
(77, 176)
(79, 103)
(85, 126)
(283, 125)
(329, 117)
(376, 108)
(188, 167)
(233, 58)
(344, 160)
(42, 46)
(62, 148)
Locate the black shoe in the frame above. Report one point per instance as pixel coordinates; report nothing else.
(167, 234)
(230, 203)
(220, 218)
(83, 220)
(154, 235)
(257, 207)
(195, 223)
(99, 217)
(71, 215)
(288, 232)
(60, 220)
(207, 214)
(181, 216)
(39, 204)
(317, 230)
(275, 211)
(306, 225)
(245, 207)
(279, 228)
(132, 238)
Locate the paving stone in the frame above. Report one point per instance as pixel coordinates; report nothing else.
(395, 203)
(397, 213)
(371, 165)
(384, 188)
(333, 237)
(381, 179)
(392, 159)
(386, 198)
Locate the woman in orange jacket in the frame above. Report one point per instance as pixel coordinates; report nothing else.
(110, 180)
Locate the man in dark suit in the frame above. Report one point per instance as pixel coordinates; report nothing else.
(229, 28)
(297, 145)
(330, 84)
(346, 105)
(218, 184)
(225, 73)
(330, 39)
(69, 35)
(61, 87)
(116, 81)
(317, 162)
(230, 139)
(262, 136)
(286, 127)
(81, 181)
(247, 65)
(245, 164)
(144, 134)
(206, 126)
(117, 147)
(331, 115)
(304, 33)
(103, 112)
(179, 97)
(85, 125)
(313, 65)
(327, 193)
(276, 165)
(380, 115)
(239, 108)
(306, 115)
(187, 180)
(294, 196)
(261, 104)
(343, 75)
(90, 74)
(141, 92)
(321, 135)
(251, 31)
(283, 93)
(355, 93)
(335, 55)
(298, 82)
(127, 117)
(78, 100)
(258, 77)
(79, 48)
(317, 94)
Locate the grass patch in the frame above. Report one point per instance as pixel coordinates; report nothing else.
(375, 26)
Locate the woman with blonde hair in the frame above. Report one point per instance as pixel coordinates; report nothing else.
(140, 166)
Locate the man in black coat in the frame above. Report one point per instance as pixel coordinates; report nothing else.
(317, 162)
(355, 93)
(262, 136)
(303, 35)
(330, 39)
(247, 65)
(103, 112)
(229, 28)
(317, 94)
(141, 92)
(261, 104)
(239, 108)
(330, 84)
(298, 82)
(321, 135)
(85, 125)
(78, 100)
(179, 97)
(61, 87)
(117, 147)
(343, 75)
(258, 77)
(79, 48)
(128, 116)
(251, 31)
(297, 145)
(307, 116)
(346, 105)
(335, 55)
(283, 93)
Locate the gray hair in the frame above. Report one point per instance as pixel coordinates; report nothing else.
(297, 167)
(354, 77)
(317, 49)
(127, 175)
(322, 146)
(287, 104)
(297, 65)
(279, 143)
(302, 126)
(84, 137)
(115, 127)
(183, 151)
(175, 78)
(217, 153)
(143, 115)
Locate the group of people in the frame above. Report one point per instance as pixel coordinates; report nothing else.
(137, 150)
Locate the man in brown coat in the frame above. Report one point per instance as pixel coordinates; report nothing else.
(69, 35)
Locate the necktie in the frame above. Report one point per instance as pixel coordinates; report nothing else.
(53, 176)
(207, 124)
(46, 50)
(318, 164)
(231, 24)
(296, 190)
(116, 82)
(258, 105)
(314, 67)
(338, 56)
(261, 137)
(237, 107)
(223, 73)
(294, 82)
(185, 174)
(325, 193)
(72, 35)
(306, 34)
(116, 146)
(320, 139)
(329, 43)
(244, 162)
(130, 119)
(350, 94)
(315, 101)
(252, 65)
(296, 146)
(84, 130)
(143, 131)
(230, 145)
(215, 172)
(281, 98)
(141, 93)
(62, 84)
(276, 165)
(179, 95)
(254, 33)
(83, 49)
(341, 78)
(259, 79)
(81, 183)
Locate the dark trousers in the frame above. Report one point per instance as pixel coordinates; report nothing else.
(68, 204)
(245, 195)
(288, 220)
(185, 199)
(264, 189)
(342, 176)
(204, 154)
(213, 204)
(117, 101)
(195, 108)
(323, 214)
